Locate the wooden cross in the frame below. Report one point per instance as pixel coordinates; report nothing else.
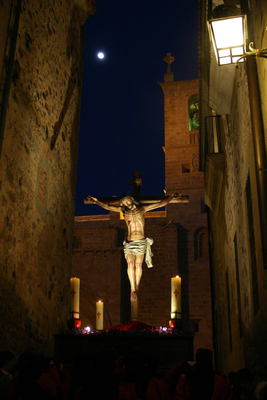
(136, 182)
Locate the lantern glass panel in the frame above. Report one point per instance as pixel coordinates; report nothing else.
(225, 60)
(228, 32)
(224, 53)
(237, 58)
(236, 51)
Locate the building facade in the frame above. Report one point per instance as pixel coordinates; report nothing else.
(233, 122)
(41, 56)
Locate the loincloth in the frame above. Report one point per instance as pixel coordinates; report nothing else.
(141, 246)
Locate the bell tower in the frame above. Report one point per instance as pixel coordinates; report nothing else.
(191, 256)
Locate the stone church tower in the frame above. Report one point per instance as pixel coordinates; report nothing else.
(179, 233)
(187, 222)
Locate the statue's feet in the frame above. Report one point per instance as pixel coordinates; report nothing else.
(133, 296)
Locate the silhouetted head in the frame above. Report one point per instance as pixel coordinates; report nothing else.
(7, 360)
(204, 359)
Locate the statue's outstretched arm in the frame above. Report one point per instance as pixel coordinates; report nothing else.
(106, 206)
(163, 203)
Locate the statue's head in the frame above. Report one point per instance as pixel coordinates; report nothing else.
(127, 202)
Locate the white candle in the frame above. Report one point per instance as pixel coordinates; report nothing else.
(176, 297)
(99, 315)
(75, 297)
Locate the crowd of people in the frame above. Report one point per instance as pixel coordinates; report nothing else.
(102, 376)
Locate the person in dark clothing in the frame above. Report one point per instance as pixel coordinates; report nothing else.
(7, 362)
(202, 382)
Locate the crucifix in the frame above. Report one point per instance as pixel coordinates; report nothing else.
(136, 246)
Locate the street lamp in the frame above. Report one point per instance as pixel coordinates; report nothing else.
(228, 36)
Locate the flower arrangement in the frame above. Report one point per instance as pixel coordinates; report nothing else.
(128, 328)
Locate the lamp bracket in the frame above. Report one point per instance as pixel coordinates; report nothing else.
(253, 52)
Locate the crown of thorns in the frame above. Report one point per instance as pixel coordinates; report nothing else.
(125, 195)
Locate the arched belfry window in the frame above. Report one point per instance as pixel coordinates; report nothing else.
(193, 113)
(76, 243)
(201, 243)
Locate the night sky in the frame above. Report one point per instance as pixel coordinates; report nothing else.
(122, 113)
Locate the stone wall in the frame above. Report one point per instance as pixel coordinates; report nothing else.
(230, 226)
(38, 172)
(239, 278)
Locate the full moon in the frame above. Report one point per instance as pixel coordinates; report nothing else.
(100, 55)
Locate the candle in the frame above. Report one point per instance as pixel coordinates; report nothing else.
(75, 297)
(176, 297)
(99, 315)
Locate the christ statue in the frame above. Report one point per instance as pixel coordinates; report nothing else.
(136, 245)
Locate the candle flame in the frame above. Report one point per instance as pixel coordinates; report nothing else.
(177, 276)
(99, 301)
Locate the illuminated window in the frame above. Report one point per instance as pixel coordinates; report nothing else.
(193, 113)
